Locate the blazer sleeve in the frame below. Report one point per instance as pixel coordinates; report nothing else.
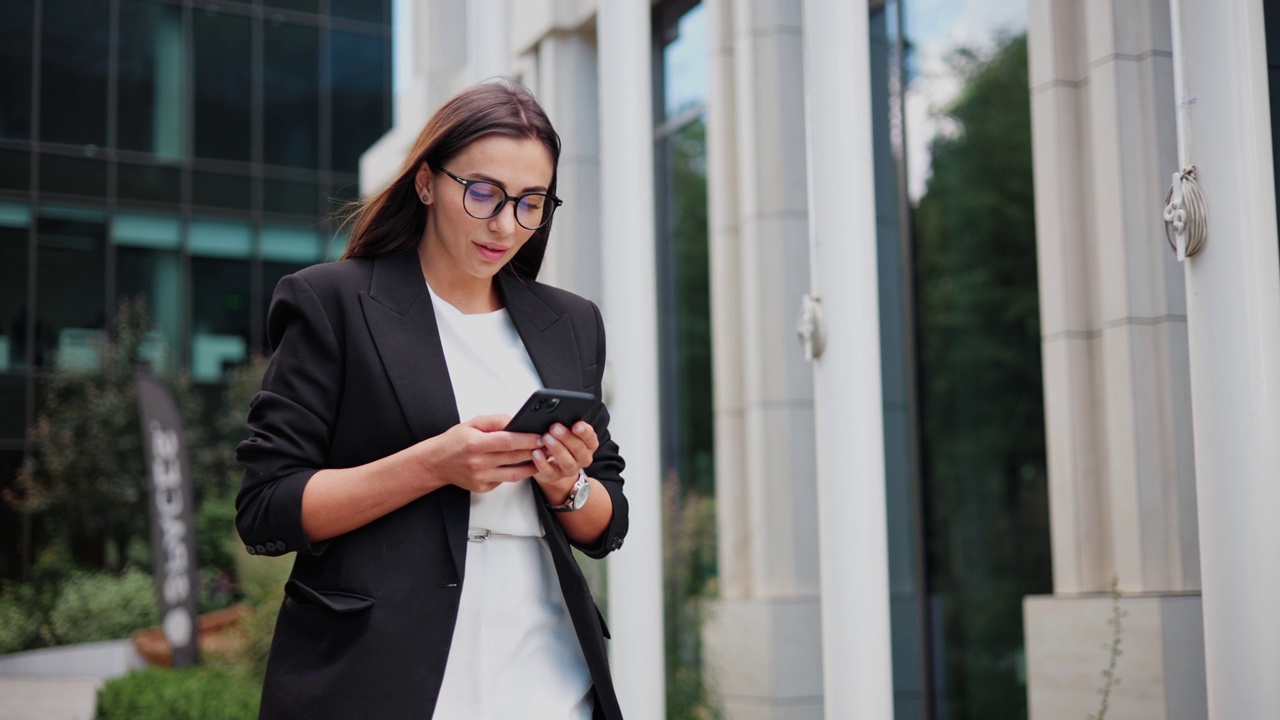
(290, 422)
(607, 465)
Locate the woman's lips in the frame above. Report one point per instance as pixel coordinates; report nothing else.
(491, 252)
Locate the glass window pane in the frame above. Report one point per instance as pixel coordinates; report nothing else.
(294, 245)
(223, 80)
(16, 33)
(377, 11)
(969, 190)
(220, 190)
(146, 231)
(73, 72)
(311, 6)
(214, 238)
(69, 289)
(14, 221)
(336, 245)
(220, 316)
(361, 91)
(151, 78)
(154, 276)
(152, 183)
(291, 95)
(684, 64)
(73, 176)
(287, 196)
(15, 170)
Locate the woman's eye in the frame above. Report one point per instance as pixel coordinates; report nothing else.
(483, 192)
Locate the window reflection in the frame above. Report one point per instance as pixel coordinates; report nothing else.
(14, 222)
(220, 289)
(16, 33)
(151, 71)
(361, 113)
(291, 95)
(73, 70)
(969, 183)
(69, 301)
(685, 349)
(223, 80)
(149, 267)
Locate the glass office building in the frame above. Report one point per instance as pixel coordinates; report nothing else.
(188, 153)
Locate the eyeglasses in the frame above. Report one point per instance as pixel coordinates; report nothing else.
(483, 199)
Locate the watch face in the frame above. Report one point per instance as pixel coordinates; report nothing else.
(581, 490)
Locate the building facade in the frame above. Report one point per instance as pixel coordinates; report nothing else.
(942, 511)
(185, 153)
(924, 415)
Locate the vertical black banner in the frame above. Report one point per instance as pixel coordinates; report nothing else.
(173, 528)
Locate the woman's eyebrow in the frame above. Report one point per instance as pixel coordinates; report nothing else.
(499, 183)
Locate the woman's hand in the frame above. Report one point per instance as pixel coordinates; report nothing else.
(562, 454)
(478, 455)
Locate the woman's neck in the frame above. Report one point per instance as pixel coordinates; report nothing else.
(469, 294)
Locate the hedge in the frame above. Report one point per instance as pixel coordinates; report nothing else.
(199, 693)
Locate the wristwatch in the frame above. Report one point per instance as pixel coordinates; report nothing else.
(577, 495)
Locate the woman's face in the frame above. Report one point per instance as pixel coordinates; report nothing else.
(460, 247)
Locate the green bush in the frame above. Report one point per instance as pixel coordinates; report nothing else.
(20, 618)
(198, 693)
(103, 606)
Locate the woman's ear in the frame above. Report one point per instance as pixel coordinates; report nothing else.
(422, 182)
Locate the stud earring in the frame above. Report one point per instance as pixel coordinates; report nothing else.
(426, 198)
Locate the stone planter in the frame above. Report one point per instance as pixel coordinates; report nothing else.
(217, 636)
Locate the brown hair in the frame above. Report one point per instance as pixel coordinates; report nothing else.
(393, 220)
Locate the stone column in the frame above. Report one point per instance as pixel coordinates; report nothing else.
(1117, 391)
(1233, 289)
(763, 640)
(568, 91)
(857, 658)
(630, 304)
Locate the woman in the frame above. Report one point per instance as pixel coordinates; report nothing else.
(434, 575)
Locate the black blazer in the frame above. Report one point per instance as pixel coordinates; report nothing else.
(358, 373)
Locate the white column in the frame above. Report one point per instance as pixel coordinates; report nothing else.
(853, 549)
(630, 303)
(1233, 317)
(487, 48)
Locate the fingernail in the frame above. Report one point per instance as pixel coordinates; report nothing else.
(557, 430)
(580, 428)
(537, 454)
(550, 441)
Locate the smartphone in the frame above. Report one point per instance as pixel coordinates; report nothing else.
(546, 407)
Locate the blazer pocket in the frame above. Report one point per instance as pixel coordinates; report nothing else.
(337, 601)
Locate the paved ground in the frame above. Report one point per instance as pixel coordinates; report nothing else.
(47, 698)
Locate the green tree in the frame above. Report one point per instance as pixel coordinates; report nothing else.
(980, 379)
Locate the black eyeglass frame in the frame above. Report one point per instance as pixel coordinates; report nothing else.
(506, 198)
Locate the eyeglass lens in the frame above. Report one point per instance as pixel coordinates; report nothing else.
(484, 200)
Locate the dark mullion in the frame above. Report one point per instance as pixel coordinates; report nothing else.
(183, 352)
(113, 140)
(33, 166)
(257, 157)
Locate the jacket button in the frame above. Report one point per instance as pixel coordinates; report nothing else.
(260, 548)
(274, 546)
(249, 549)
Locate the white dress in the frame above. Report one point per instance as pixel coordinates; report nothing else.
(515, 653)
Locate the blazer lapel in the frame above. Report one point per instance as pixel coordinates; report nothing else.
(402, 325)
(548, 337)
